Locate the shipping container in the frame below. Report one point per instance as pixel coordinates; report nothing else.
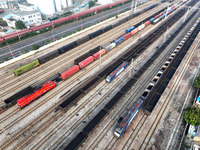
(26, 68)
(130, 29)
(141, 26)
(151, 20)
(86, 61)
(134, 31)
(70, 72)
(119, 40)
(102, 52)
(127, 36)
(147, 23)
(109, 46)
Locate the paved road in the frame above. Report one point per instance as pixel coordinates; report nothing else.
(19, 47)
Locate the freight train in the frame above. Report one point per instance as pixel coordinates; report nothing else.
(154, 83)
(58, 21)
(82, 61)
(74, 44)
(81, 137)
(88, 57)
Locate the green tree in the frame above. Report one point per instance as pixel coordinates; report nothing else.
(3, 23)
(5, 58)
(91, 4)
(35, 47)
(196, 83)
(192, 115)
(20, 25)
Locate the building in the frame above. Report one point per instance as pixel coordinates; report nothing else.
(28, 17)
(26, 7)
(10, 22)
(10, 4)
(52, 7)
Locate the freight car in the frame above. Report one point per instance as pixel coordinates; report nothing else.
(22, 102)
(26, 68)
(12, 99)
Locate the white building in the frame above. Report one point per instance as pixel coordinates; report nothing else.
(28, 17)
(10, 22)
(49, 7)
(26, 7)
(10, 4)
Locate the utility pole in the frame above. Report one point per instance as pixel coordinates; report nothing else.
(10, 50)
(186, 14)
(100, 57)
(132, 6)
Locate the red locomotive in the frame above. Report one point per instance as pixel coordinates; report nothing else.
(22, 102)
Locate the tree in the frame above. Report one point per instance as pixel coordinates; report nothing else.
(20, 25)
(3, 23)
(91, 4)
(196, 83)
(35, 47)
(192, 115)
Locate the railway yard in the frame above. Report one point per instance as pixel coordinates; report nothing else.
(83, 111)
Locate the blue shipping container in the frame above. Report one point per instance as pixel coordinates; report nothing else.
(130, 29)
(119, 40)
(152, 19)
(116, 72)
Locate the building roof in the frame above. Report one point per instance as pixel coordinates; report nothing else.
(11, 19)
(25, 13)
(26, 4)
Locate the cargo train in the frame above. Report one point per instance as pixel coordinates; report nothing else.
(129, 33)
(82, 136)
(74, 44)
(154, 83)
(85, 59)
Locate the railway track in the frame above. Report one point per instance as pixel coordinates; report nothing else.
(169, 97)
(96, 139)
(28, 113)
(36, 73)
(74, 78)
(104, 58)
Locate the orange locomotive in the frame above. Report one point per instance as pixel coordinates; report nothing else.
(22, 102)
